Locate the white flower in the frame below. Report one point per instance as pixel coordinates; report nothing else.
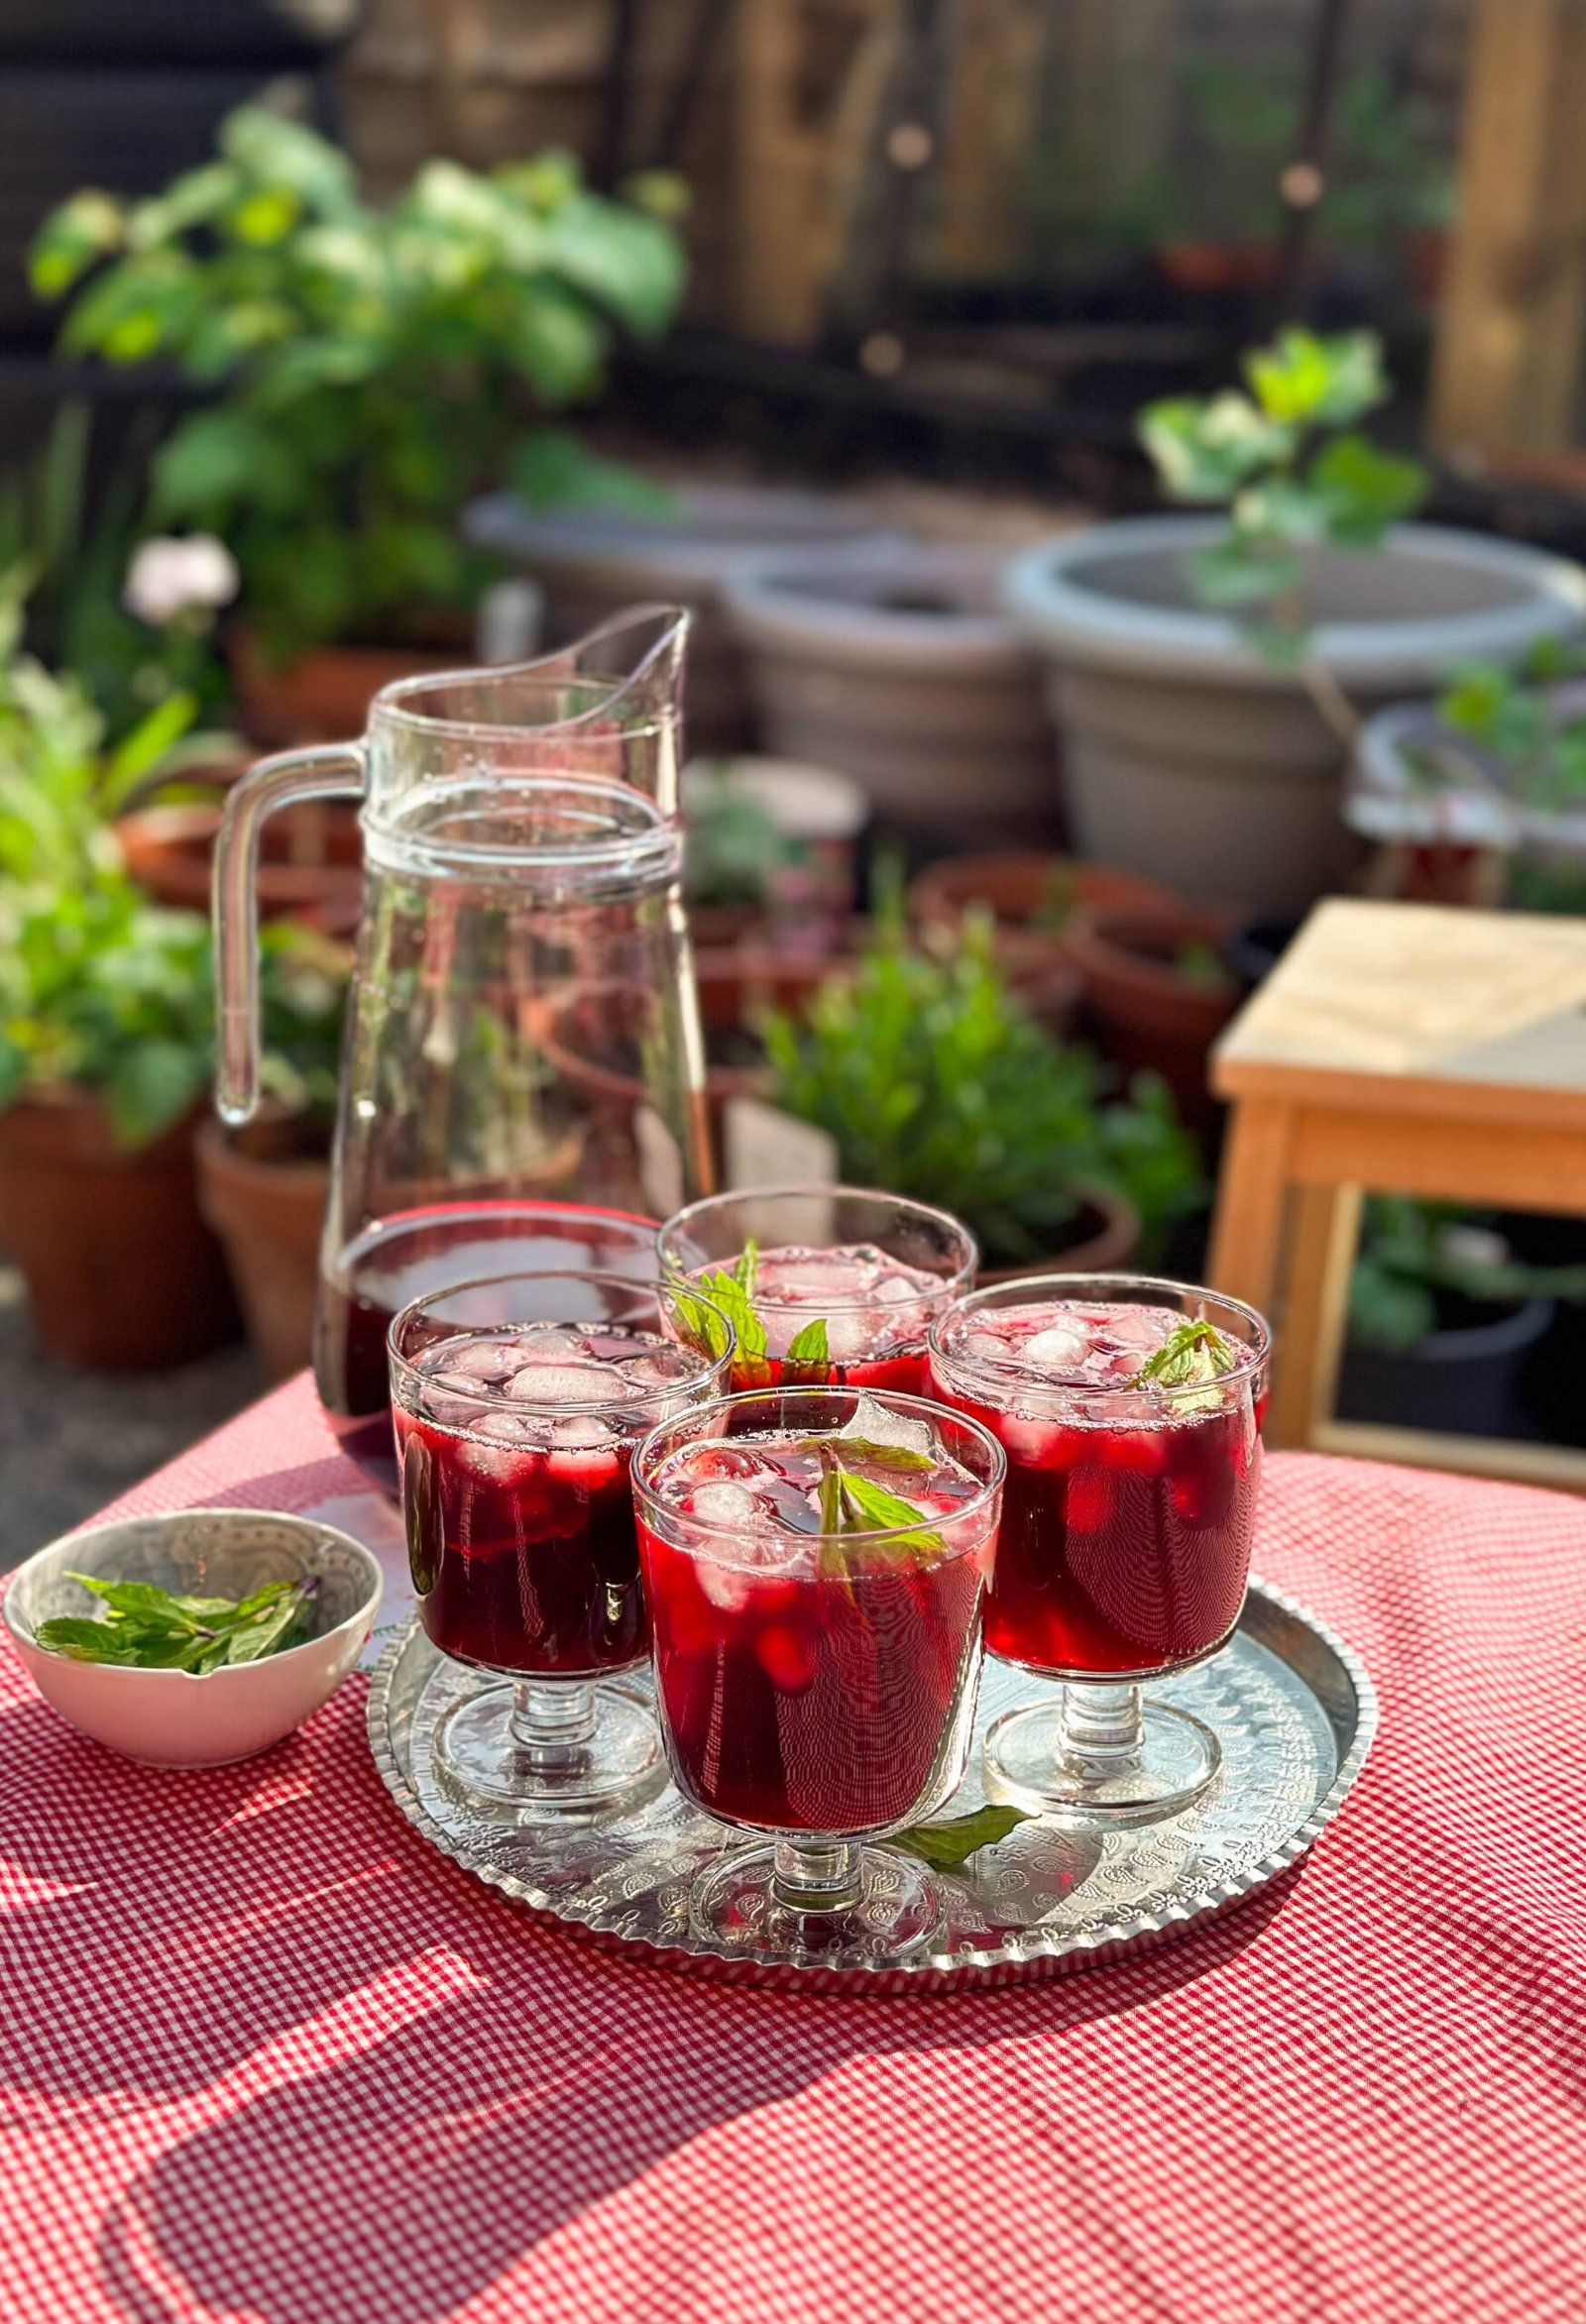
(171, 576)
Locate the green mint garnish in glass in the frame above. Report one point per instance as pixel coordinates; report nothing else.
(733, 1293)
(1194, 1354)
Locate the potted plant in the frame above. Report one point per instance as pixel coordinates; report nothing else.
(374, 368)
(1488, 782)
(900, 668)
(262, 1187)
(1159, 988)
(1442, 1318)
(769, 853)
(932, 1080)
(1209, 671)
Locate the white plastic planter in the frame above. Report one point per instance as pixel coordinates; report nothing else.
(898, 668)
(1191, 758)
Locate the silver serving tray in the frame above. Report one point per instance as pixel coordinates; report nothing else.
(1292, 1703)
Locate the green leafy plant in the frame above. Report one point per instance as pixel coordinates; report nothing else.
(934, 1081)
(375, 367)
(1296, 476)
(146, 1628)
(732, 849)
(1416, 1257)
(74, 553)
(100, 988)
(1510, 732)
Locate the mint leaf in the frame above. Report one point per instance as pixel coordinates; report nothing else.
(701, 1324)
(728, 1294)
(1194, 1354)
(746, 1266)
(808, 1346)
(83, 1639)
(947, 1846)
(149, 1628)
(870, 1508)
(901, 1457)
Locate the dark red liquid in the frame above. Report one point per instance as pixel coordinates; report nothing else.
(1121, 1549)
(803, 1703)
(523, 1561)
(905, 1373)
(401, 1258)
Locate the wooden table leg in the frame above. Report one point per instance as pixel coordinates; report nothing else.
(1252, 1186)
(1315, 1311)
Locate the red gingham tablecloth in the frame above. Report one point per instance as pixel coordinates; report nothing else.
(268, 2061)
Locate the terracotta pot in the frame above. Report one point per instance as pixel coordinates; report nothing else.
(263, 1189)
(311, 860)
(122, 1273)
(323, 696)
(1105, 1238)
(1147, 1011)
(1218, 266)
(1019, 884)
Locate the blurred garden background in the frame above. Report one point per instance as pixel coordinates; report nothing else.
(1126, 459)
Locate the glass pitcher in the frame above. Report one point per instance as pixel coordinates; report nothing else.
(523, 1031)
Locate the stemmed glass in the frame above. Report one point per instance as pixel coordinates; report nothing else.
(517, 1403)
(815, 1564)
(1130, 1411)
(868, 1271)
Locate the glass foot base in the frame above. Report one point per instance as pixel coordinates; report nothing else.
(1031, 1763)
(886, 1905)
(491, 1754)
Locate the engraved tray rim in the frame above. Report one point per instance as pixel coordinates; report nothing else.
(1026, 1953)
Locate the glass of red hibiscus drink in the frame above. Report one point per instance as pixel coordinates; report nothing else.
(823, 1283)
(1130, 1412)
(517, 1403)
(815, 1564)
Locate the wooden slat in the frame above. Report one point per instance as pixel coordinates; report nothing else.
(1535, 1168)
(1513, 322)
(1559, 1466)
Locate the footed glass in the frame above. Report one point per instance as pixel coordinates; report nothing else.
(517, 1403)
(815, 1564)
(1130, 1412)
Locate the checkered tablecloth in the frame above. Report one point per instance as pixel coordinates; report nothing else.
(267, 2060)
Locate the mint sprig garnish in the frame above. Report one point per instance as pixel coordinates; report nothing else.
(1195, 1354)
(949, 1846)
(147, 1628)
(854, 1506)
(733, 1293)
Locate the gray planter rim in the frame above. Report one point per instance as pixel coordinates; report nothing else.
(718, 528)
(1048, 593)
(1385, 801)
(776, 605)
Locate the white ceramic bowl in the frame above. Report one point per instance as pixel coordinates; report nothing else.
(169, 1717)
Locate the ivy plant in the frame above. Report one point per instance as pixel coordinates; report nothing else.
(1511, 731)
(369, 369)
(1283, 457)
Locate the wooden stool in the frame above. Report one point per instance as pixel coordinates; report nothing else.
(1404, 1048)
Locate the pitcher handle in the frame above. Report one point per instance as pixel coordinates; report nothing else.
(333, 770)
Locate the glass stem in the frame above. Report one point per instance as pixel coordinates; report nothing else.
(553, 1719)
(1102, 1731)
(815, 1875)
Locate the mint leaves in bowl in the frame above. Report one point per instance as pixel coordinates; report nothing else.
(196, 1639)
